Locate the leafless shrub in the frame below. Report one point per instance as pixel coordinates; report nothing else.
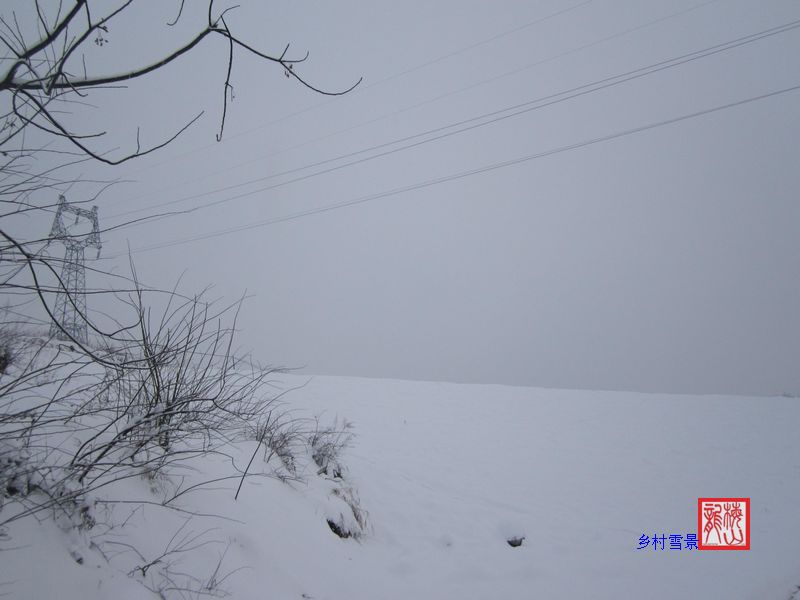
(172, 390)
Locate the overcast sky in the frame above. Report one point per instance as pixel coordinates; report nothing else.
(666, 259)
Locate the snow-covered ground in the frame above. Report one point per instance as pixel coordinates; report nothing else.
(447, 473)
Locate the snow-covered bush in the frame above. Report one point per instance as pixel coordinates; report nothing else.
(283, 437)
(326, 445)
(80, 423)
(350, 520)
(343, 511)
(77, 422)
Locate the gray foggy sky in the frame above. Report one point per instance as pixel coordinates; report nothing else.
(665, 260)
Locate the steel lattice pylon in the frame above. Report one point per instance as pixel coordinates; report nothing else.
(70, 307)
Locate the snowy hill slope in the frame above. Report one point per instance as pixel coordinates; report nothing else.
(448, 473)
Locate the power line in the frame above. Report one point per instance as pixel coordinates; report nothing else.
(394, 76)
(468, 173)
(465, 125)
(482, 42)
(402, 110)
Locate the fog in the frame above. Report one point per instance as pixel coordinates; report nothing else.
(665, 259)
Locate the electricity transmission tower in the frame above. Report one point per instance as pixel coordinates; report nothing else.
(70, 308)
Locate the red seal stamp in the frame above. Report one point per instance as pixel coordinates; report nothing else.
(723, 523)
